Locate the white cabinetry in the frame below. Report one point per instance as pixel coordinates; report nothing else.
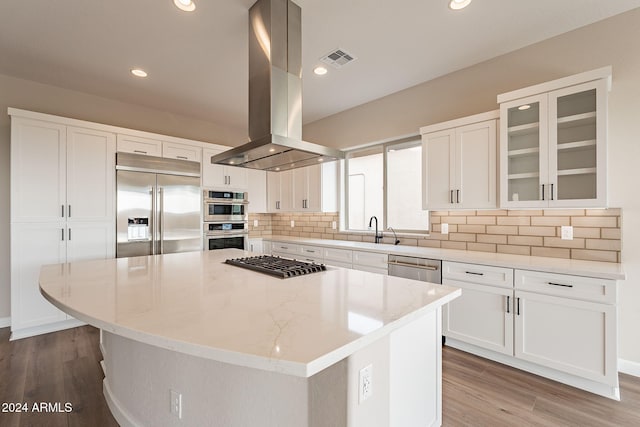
(567, 323)
(483, 315)
(222, 177)
(174, 150)
(62, 209)
(308, 189)
(374, 262)
(553, 143)
(257, 188)
(459, 163)
(139, 145)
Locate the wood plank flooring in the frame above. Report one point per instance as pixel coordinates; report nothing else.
(64, 367)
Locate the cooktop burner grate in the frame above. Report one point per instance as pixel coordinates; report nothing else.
(276, 266)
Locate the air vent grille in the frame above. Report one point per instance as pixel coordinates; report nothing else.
(338, 58)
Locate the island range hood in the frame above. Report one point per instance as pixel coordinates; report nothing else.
(275, 94)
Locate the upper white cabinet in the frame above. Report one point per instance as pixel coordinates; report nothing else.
(257, 186)
(175, 150)
(553, 143)
(459, 163)
(222, 177)
(308, 189)
(139, 145)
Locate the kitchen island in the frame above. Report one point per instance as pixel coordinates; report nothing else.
(189, 340)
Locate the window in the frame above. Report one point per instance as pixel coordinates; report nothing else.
(398, 203)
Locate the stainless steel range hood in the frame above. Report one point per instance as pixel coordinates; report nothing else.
(275, 94)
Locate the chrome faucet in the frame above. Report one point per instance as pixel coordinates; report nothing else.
(394, 235)
(378, 237)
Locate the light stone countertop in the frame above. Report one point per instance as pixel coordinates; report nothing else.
(196, 304)
(602, 270)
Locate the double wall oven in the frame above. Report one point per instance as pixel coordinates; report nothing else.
(225, 219)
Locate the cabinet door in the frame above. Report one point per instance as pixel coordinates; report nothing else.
(90, 240)
(174, 150)
(213, 176)
(237, 177)
(139, 145)
(573, 336)
(482, 316)
(314, 188)
(38, 178)
(273, 192)
(286, 191)
(32, 246)
(475, 162)
(257, 189)
(524, 153)
(90, 174)
(577, 139)
(438, 151)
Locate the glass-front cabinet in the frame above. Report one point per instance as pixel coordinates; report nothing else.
(553, 148)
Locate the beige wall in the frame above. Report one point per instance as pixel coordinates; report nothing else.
(615, 42)
(53, 100)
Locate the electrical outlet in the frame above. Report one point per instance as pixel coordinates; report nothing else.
(255, 222)
(334, 225)
(566, 232)
(176, 403)
(365, 383)
(444, 228)
(293, 223)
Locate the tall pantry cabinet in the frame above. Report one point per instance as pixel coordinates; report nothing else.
(62, 209)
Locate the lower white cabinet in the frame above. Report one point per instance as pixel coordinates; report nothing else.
(539, 320)
(255, 246)
(373, 262)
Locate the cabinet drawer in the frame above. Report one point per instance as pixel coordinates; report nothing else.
(137, 145)
(339, 255)
(576, 287)
(370, 259)
(338, 263)
(181, 151)
(312, 251)
(476, 273)
(285, 248)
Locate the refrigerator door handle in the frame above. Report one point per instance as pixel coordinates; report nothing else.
(153, 221)
(161, 221)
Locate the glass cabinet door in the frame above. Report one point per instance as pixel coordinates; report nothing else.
(525, 156)
(575, 137)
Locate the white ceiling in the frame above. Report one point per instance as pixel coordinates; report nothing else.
(197, 62)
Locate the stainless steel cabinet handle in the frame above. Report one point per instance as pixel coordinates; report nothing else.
(62, 231)
(153, 221)
(508, 303)
(473, 272)
(69, 237)
(406, 264)
(542, 191)
(139, 151)
(518, 306)
(183, 157)
(451, 196)
(551, 191)
(229, 176)
(62, 210)
(69, 213)
(457, 196)
(559, 284)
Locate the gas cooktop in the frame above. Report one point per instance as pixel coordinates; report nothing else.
(276, 266)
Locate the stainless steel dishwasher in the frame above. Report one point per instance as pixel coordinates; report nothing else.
(423, 269)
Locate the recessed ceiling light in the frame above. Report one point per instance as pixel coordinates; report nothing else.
(320, 70)
(320, 159)
(231, 162)
(186, 5)
(458, 4)
(524, 107)
(271, 150)
(277, 169)
(138, 72)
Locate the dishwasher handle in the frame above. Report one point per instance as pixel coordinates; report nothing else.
(406, 264)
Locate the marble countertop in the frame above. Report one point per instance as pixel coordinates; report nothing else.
(602, 270)
(196, 304)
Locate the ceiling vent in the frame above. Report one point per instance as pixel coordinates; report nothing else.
(338, 58)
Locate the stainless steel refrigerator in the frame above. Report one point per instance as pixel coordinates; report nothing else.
(159, 205)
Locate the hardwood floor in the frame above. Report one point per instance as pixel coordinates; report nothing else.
(64, 367)
(479, 392)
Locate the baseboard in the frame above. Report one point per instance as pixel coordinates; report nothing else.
(122, 416)
(5, 322)
(629, 367)
(45, 329)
